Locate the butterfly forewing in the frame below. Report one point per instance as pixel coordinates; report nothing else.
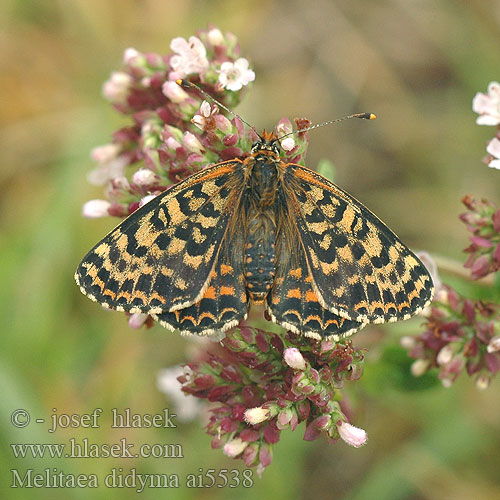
(161, 257)
(360, 269)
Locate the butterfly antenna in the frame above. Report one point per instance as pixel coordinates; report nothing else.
(188, 85)
(365, 116)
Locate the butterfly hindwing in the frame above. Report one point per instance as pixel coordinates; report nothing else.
(360, 269)
(294, 304)
(160, 258)
(224, 303)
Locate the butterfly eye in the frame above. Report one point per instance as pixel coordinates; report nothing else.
(256, 145)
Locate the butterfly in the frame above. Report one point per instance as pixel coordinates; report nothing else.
(257, 231)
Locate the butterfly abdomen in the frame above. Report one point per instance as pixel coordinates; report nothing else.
(259, 259)
(259, 251)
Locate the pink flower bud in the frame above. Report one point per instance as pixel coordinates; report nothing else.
(353, 436)
(144, 177)
(230, 140)
(447, 382)
(223, 124)
(496, 221)
(445, 355)
(323, 422)
(137, 320)
(96, 208)
(250, 454)
(284, 127)
(481, 242)
(234, 447)
(494, 344)
(174, 92)
(480, 267)
(105, 153)
(442, 296)
(419, 367)
(407, 342)
(192, 143)
(173, 144)
(117, 87)
(265, 455)
(482, 382)
(256, 415)
(288, 144)
(146, 199)
(294, 359)
(215, 37)
(284, 418)
(492, 362)
(129, 54)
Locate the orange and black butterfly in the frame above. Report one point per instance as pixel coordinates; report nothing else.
(257, 231)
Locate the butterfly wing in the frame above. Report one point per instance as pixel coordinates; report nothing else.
(293, 303)
(160, 258)
(360, 269)
(224, 303)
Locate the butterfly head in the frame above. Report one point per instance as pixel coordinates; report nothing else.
(267, 142)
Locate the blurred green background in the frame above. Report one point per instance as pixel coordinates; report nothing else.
(416, 64)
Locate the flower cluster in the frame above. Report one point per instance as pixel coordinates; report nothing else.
(265, 383)
(460, 335)
(164, 143)
(488, 107)
(483, 221)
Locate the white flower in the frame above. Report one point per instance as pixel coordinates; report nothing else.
(116, 88)
(129, 54)
(488, 105)
(407, 342)
(419, 367)
(186, 406)
(136, 320)
(446, 382)
(353, 436)
(146, 199)
(105, 153)
(288, 144)
(206, 112)
(494, 344)
(144, 177)
(445, 355)
(233, 76)
(95, 208)
(482, 382)
(234, 447)
(256, 415)
(191, 57)
(174, 92)
(294, 359)
(120, 182)
(112, 169)
(493, 149)
(215, 36)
